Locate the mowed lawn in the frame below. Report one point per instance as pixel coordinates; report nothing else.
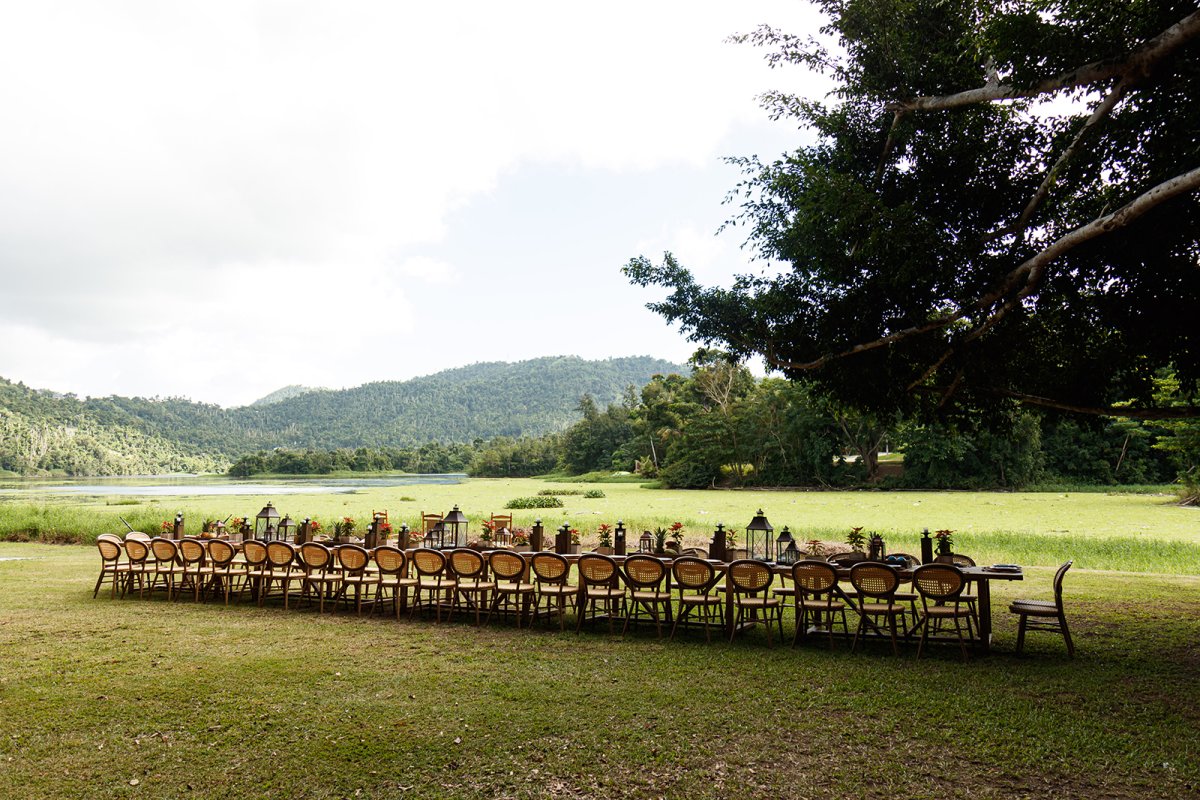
(144, 698)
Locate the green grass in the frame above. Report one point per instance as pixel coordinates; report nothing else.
(206, 701)
(1132, 532)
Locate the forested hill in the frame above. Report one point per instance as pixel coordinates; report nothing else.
(44, 431)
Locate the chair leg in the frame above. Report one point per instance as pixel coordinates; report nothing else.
(1021, 634)
(1066, 632)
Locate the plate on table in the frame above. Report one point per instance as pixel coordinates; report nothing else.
(1005, 567)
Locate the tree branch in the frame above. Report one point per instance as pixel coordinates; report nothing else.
(1027, 276)
(1169, 412)
(1137, 63)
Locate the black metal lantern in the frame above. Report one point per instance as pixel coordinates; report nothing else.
(759, 541)
(646, 542)
(454, 529)
(266, 523)
(786, 551)
(287, 529)
(436, 538)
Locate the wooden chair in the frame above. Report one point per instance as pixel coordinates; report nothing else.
(280, 571)
(254, 563)
(319, 574)
(943, 584)
(750, 582)
(196, 573)
(138, 536)
(646, 577)
(550, 571)
(354, 562)
(166, 565)
(111, 568)
(470, 576)
(433, 580)
(599, 582)
(968, 596)
(509, 571)
(1043, 615)
(695, 580)
(137, 553)
(393, 576)
(876, 586)
(815, 600)
(221, 555)
(429, 522)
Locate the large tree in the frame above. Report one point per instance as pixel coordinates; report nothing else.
(954, 237)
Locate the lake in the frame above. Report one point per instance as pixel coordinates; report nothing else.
(207, 486)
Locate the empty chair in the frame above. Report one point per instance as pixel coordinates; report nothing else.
(512, 590)
(280, 572)
(550, 571)
(254, 563)
(166, 565)
(876, 586)
(599, 584)
(224, 575)
(816, 600)
(695, 580)
(1044, 615)
(111, 568)
(968, 596)
(393, 577)
(750, 582)
(943, 585)
(138, 536)
(433, 581)
(196, 573)
(137, 552)
(354, 562)
(470, 576)
(319, 575)
(646, 577)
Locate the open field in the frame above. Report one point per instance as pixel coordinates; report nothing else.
(1135, 532)
(205, 701)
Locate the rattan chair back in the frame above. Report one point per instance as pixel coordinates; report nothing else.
(644, 572)
(138, 536)
(281, 555)
(748, 576)
(549, 568)
(939, 582)
(693, 573)
(957, 559)
(847, 559)
(137, 551)
(191, 551)
(110, 551)
(390, 560)
(316, 556)
(164, 550)
(429, 562)
(872, 579)
(353, 559)
(467, 564)
(221, 552)
(506, 566)
(814, 577)
(1058, 583)
(255, 554)
(595, 569)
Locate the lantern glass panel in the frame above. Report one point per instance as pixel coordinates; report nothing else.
(760, 543)
(266, 522)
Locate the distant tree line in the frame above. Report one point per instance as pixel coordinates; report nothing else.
(429, 457)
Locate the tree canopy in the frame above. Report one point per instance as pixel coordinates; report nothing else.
(955, 236)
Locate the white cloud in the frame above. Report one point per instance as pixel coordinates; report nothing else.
(181, 181)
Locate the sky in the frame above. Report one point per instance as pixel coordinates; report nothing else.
(214, 200)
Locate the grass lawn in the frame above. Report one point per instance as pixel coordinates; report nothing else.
(113, 699)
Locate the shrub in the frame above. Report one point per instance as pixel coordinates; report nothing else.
(559, 492)
(592, 494)
(534, 502)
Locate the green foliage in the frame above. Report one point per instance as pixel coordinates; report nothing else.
(534, 502)
(961, 457)
(594, 494)
(429, 457)
(559, 492)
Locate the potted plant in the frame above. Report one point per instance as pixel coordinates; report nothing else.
(676, 534)
(235, 529)
(343, 530)
(485, 538)
(605, 547)
(574, 540)
(945, 542)
(520, 540)
(732, 551)
(856, 539)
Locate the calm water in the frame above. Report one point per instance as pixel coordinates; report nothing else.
(195, 486)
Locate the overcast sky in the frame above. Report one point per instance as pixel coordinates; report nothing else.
(216, 199)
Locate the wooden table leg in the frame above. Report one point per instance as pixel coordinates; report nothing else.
(985, 616)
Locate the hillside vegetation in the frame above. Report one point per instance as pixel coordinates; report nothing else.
(46, 432)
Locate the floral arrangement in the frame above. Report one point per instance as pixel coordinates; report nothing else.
(383, 527)
(345, 527)
(945, 542)
(731, 538)
(676, 530)
(856, 539)
(605, 532)
(520, 536)
(167, 525)
(313, 526)
(813, 547)
(574, 536)
(237, 522)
